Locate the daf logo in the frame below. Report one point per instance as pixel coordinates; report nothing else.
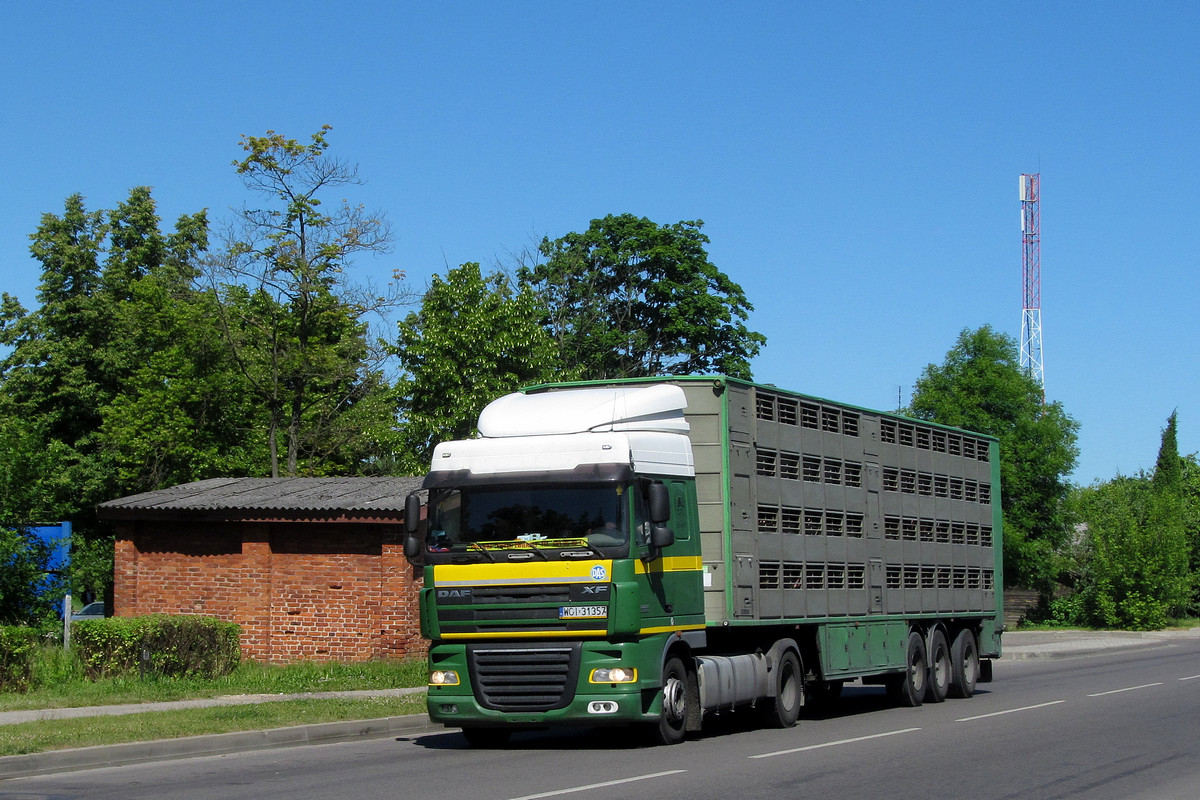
(453, 594)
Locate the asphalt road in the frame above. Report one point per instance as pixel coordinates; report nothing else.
(1123, 725)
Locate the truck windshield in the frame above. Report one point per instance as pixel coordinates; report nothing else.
(542, 518)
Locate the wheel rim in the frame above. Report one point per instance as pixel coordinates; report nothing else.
(674, 699)
(788, 690)
(917, 673)
(941, 668)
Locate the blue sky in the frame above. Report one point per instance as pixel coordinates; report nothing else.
(855, 164)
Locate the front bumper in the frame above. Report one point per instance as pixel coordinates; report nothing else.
(544, 684)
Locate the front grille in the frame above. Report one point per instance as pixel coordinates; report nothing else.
(519, 609)
(556, 593)
(523, 678)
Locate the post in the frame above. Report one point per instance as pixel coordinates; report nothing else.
(67, 621)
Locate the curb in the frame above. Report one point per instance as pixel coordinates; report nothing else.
(54, 761)
(1033, 654)
(1043, 645)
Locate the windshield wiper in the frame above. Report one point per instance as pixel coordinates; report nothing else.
(475, 548)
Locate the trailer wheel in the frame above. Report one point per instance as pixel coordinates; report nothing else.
(908, 688)
(485, 738)
(672, 719)
(782, 710)
(939, 668)
(964, 658)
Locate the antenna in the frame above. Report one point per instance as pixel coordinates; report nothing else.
(1031, 263)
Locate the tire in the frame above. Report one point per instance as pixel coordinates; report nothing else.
(486, 738)
(938, 684)
(964, 660)
(782, 710)
(908, 688)
(671, 727)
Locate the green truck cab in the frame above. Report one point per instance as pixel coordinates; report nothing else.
(647, 551)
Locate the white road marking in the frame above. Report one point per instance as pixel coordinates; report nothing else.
(1127, 689)
(1190, 678)
(600, 785)
(1010, 711)
(832, 744)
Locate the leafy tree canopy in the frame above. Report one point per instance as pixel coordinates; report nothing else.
(980, 386)
(73, 357)
(474, 339)
(629, 298)
(1137, 563)
(293, 321)
(77, 357)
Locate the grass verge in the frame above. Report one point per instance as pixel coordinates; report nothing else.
(36, 737)
(62, 685)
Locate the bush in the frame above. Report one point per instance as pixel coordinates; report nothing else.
(169, 646)
(18, 648)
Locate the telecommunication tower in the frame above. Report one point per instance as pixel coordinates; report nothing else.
(1031, 252)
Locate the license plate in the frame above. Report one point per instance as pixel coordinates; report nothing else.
(582, 612)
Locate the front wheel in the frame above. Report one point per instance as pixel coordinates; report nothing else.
(672, 719)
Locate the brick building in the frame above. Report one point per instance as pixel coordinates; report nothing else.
(310, 568)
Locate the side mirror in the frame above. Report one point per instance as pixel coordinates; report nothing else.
(412, 526)
(661, 536)
(412, 546)
(660, 503)
(412, 513)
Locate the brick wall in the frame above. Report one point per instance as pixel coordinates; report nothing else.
(300, 590)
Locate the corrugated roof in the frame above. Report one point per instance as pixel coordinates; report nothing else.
(322, 496)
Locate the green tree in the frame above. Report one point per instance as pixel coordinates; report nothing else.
(1168, 525)
(628, 298)
(474, 338)
(72, 358)
(177, 411)
(184, 412)
(1137, 566)
(1168, 467)
(1191, 515)
(981, 387)
(293, 321)
(1135, 572)
(33, 487)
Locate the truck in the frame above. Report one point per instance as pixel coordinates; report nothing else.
(650, 552)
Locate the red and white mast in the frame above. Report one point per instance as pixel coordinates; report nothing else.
(1031, 252)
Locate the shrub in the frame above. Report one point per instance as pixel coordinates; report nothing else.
(170, 646)
(18, 648)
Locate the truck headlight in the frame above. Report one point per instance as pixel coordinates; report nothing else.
(443, 677)
(613, 675)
